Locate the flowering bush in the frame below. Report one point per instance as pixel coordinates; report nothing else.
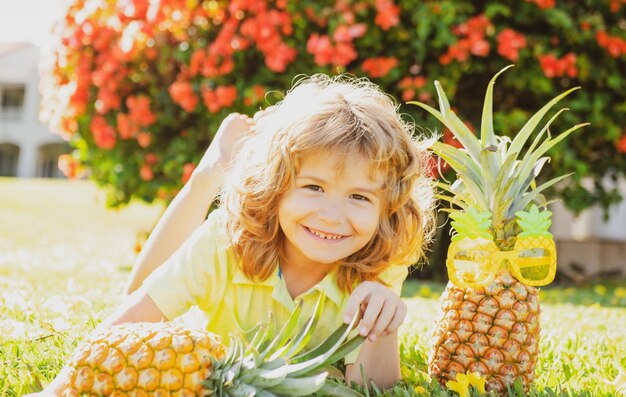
(139, 87)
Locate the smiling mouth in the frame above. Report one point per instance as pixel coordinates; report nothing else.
(323, 235)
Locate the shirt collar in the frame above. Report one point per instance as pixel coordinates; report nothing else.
(328, 284)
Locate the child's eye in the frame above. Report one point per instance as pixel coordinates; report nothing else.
(359, 197)
(315, 188)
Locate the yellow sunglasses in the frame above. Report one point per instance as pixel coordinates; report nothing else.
(474, 260)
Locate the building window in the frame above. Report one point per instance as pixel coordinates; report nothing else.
(48, 160)
(9, 155)
(12, 102)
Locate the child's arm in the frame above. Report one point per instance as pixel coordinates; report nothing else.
(189, 208)
(383, 312)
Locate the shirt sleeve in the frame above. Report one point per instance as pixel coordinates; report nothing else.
(394, 276)
(195, 273)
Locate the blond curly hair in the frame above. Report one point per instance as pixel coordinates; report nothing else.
(331, 113)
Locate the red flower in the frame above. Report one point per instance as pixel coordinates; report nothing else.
(182, 93)
(196, 62)
(266, 29)
(68, 166)
(410, 85)
(585, 26)
(107, 100)
(145, 173)
(509, 44)
(222, 96)
(254, 95)
(554, 67)
(278, 59)
(321, 47)
(615, 5)
(479, 47)
(342, 34)
(544, 4)
(103, 134)
(226, 95)
(144, 139)
(325, 53)
(569, 64)
(550, 66)
(151, 158)
(387, 15)
(478, 25)
(614, 45)
(472, 40)
(621, 144)
(139, 107)
(357, 30)
(379, 67)
(344, 54)
(126, 127)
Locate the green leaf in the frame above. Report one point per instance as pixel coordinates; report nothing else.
(458, 160)
(300, 386)
(523, 135)
(335, 389)
(531, 158)
(487, 134)
(530, 196)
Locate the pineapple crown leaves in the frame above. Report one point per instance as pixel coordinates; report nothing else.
(534, 222)
(273, 364)
(471, 224)
(492, 173)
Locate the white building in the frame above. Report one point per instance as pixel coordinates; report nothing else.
(27, 147)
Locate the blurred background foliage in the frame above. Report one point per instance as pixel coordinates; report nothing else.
(138, 87)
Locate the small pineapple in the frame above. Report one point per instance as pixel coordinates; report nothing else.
(162, 359)
(537, 251)
(494, 329)
(470, 246)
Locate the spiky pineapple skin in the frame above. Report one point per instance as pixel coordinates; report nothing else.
(144, 359)
(492, 330)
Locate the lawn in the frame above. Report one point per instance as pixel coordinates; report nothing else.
(64, 259)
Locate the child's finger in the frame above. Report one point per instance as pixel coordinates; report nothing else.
(384, 319)
(397, 320)
(374, 307)
(358, 296)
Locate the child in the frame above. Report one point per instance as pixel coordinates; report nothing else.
(327, 193)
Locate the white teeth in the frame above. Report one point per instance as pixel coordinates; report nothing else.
(324, 235)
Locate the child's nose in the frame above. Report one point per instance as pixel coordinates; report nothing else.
(332, 212)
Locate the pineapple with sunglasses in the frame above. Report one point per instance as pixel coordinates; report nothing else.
(501, 249)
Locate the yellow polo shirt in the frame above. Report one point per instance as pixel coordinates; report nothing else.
(205, 272)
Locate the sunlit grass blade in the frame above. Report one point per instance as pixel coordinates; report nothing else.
(335, 389)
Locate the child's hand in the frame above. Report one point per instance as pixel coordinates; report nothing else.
(382, 310)
(231, 134)
(235, 128)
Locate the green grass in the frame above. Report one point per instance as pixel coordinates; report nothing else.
(64, 259)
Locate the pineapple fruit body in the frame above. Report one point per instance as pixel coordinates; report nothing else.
(167, 359)
(144, 359)
(492, 330)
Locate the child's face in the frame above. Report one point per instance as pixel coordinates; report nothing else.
(332, 211)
